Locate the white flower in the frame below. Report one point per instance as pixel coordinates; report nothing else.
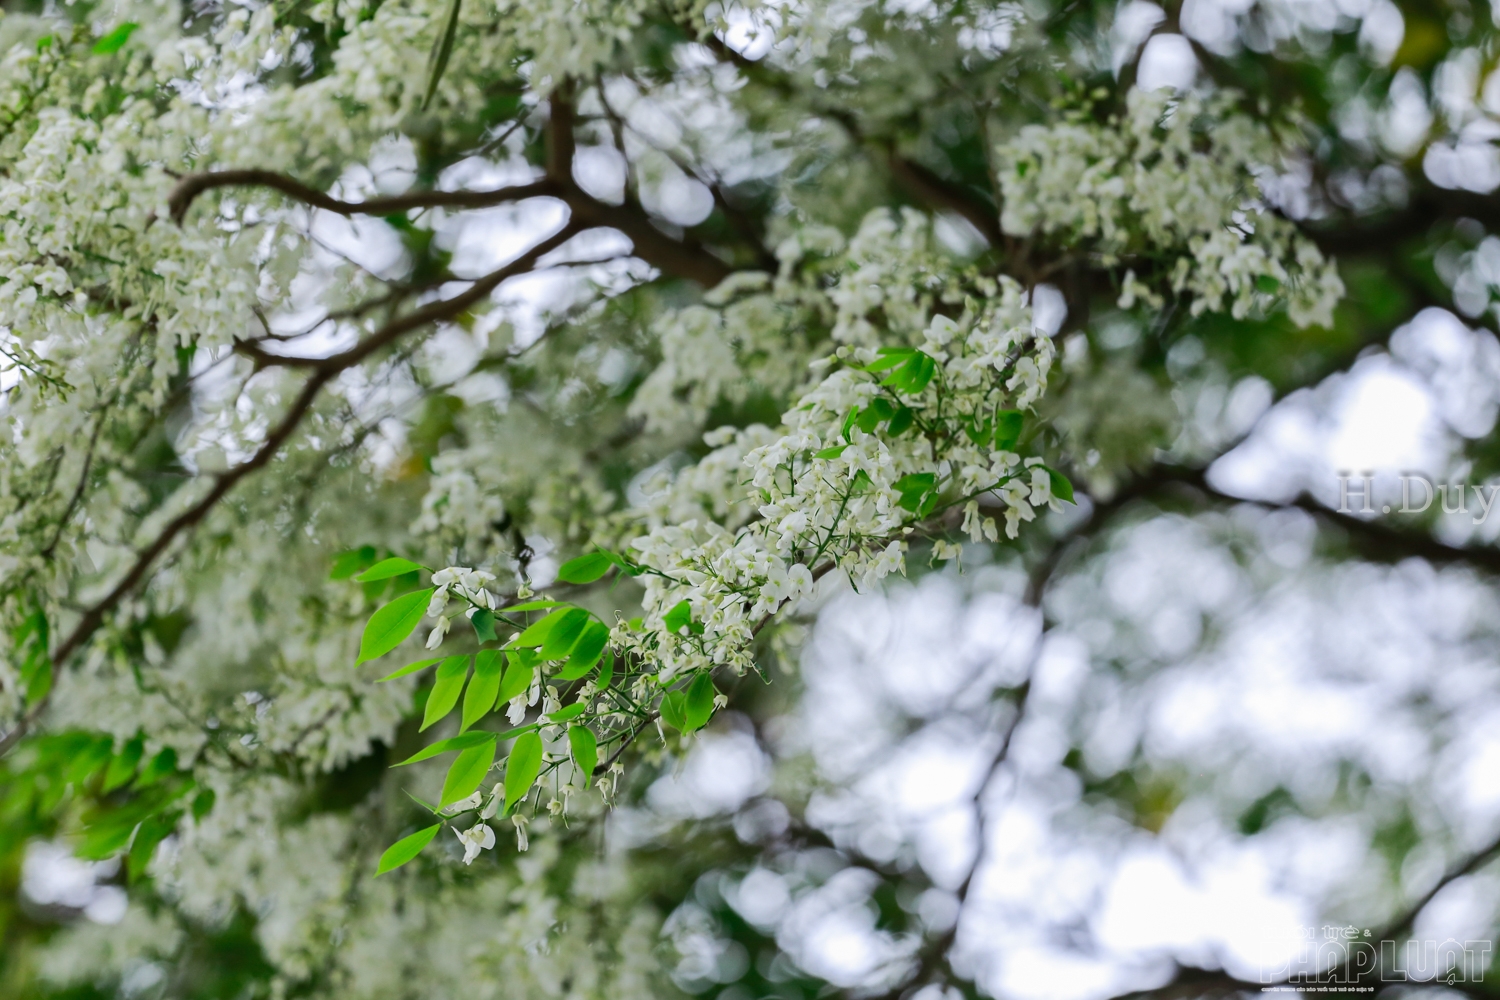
(435, 637)
(462, 805)
(472, 580)
(497, 797)
(520, 823)
(476, 838)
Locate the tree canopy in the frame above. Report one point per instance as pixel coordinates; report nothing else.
(618, 498)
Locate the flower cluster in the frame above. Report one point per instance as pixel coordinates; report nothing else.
(1170, 186)
(889, 439)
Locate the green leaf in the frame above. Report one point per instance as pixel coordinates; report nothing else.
(913, 488)
(203, 803)
(678, 618)
(30, 641)
(536, 633)
(521, 769)
(698, 707)
(387, 568)
(586, 651)
(39, 683)
(106, 837)
(674, 710)
(446, 687)
(901, 422)
(563, 635)
(346, 564)
(830, 453)
(606, 669)
(150, 833)
(868, 419)
(519, 673)
(531, 606)
(161, 766)
(585, 747)
(88, 759)
(122, 768)
(483, 620)
(1008, 425)
(1266, 283)
(1061, 487)
(585, 569)
(442, 48)
(890, 357)
(573, 711)
(464, 741)
(848, 423)
(389, 626)
(115, 40)
(913, 375)
(467, 773)
(479, 700)
(405, 849)
(410, 668)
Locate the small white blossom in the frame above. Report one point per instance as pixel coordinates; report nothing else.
(476, 838)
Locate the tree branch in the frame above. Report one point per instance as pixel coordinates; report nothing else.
(323, 370)
(191, 186)
(1375, 539)
(684, 258)
(922, 183)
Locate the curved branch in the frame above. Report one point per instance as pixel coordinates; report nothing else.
(1377, 540)
(323, 371)
(191, 186)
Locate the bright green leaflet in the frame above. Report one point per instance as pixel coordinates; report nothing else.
(411, 668)
(150, 833)
(467, 773)
(351, 562)
(465, 741)
(585, 749)
(483, 620)
(518, 676)
(1061, 487)
(521, 769)
(563, 636)
(405, 849)
(161, 765)
(586, 651)
(536, 633)
(678, 618)
(530, 606)
(387, 568)
(389, 627)
(1008, 425)
(699, 706)
(122, 767)
(585, 569)
(446, 687)
(673, 710)
(483, 689)
(115, 40)
(573, 711)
